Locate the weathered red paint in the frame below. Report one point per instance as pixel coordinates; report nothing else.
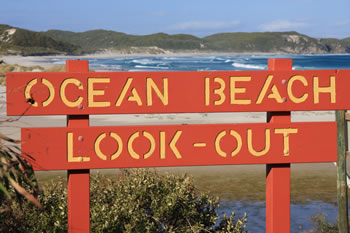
(314, 142)
(78, 201)
(177, 145)
(278, 175)
(186, 92)
(78, 181)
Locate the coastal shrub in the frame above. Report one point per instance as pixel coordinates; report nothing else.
(322, 225)
(26, 217)
(17, 181)
(138, 200)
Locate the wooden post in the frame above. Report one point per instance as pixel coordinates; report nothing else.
(278, 175)
(78, 180)
(342, 190)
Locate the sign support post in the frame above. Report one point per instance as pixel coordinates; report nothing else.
(78, 180)
(342, 189)
(278, 175)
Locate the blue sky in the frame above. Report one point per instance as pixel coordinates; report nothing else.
(317, 18)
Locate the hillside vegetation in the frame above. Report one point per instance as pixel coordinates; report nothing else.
(25, 42)
(275, 42)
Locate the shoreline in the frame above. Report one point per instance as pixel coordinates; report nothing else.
(45, 61)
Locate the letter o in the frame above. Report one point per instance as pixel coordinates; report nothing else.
(49, 86)
(221, 135)
(98, 149)
(150, 139)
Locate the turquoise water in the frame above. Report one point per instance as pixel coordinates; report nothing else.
(256, 210)
(220, 62)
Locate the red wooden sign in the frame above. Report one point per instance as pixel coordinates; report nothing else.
(78, 147)
(179, 145)
(176, 92)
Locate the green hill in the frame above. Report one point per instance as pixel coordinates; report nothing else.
(20, 41)
(101, 39)
(275, 42)
(24, 42)
(238, 42)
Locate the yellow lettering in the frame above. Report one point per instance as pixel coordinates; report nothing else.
(250, 143)
(27, 94)
(317, 90)
(151, 85)
(51, 92)
(48, 84)
(264, 89)
(286, 133)
(221, 135)
(274, 95)
(173, 146)
(152, 142)
(207, 91)
(131, 140)
(239, 142)
(131, 151)
(63, 92)
(123, 93)
(92, 92)
(70, 156)
(135, 97)
(220, 91)
(235, 90)
(217, 144)
(290, 92)
(162, 144)
(98, 149)
(97, 146)
(120, 145)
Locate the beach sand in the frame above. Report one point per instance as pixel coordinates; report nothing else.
(11, 127)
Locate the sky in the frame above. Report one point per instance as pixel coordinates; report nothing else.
(316, 18)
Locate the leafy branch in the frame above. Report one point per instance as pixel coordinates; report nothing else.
(17, 180)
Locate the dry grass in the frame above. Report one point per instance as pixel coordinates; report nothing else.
(16, 68)
(4, 68)
(56, 69)
(247, 182)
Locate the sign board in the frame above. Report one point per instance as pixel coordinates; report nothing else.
(179, 145)
(78, 147)
(68, 93)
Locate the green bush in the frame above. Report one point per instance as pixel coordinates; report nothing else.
(137, 200)
(322, 225)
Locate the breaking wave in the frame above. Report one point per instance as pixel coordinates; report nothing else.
(248, 66)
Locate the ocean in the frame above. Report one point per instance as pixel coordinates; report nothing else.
(212, 62)
(300, 212)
